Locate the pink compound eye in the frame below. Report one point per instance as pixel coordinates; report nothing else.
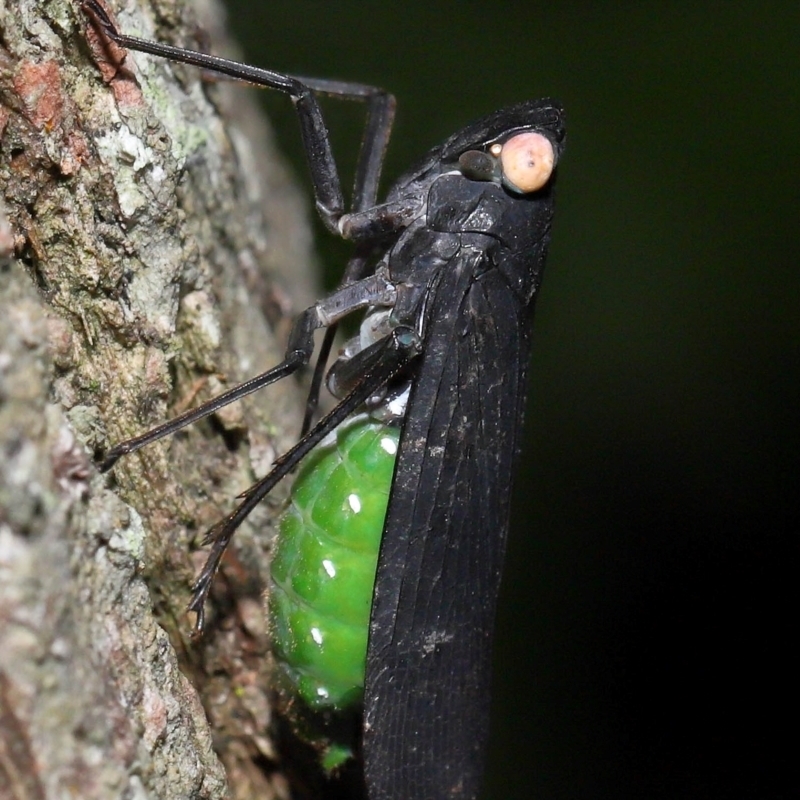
(528, 160)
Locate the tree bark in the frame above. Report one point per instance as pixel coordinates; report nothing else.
(142, 245)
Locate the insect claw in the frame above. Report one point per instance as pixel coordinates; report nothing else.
(197, 606)
(200, 591)
(94, 9)
(111, 458)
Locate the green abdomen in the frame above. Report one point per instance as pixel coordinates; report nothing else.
(323, 568)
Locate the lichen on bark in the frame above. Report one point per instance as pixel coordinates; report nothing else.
(148, 227)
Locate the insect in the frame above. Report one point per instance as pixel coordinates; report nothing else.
(446, 270)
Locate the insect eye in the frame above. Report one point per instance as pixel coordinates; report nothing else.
(527, 160)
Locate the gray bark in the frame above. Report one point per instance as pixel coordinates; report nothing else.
(142, 244)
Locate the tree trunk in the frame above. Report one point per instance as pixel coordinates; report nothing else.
(142, 243)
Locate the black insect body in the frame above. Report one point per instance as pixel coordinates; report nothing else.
(479, 252)
(447, 269)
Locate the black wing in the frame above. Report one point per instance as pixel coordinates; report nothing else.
(428, 668)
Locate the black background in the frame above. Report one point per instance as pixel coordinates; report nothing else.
(649, 609)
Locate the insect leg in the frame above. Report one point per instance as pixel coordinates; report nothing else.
(388, 357)
(357, 268)
(370, 291)
(324, 173)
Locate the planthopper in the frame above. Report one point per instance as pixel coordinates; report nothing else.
(387, 569)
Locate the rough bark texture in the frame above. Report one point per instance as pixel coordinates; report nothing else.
(140, 244)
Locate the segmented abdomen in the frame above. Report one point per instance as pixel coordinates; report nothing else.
(323, 568)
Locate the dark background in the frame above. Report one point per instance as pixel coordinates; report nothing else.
(649, 610)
